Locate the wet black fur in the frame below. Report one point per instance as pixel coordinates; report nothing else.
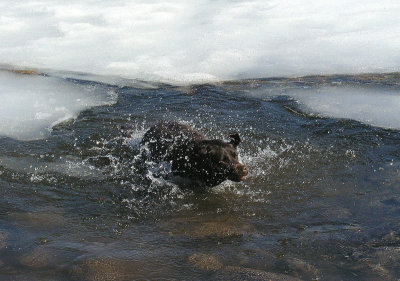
(192, 155)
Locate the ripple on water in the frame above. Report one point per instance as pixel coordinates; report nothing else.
(3, 239)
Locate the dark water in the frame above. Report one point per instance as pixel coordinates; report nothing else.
(321, 202)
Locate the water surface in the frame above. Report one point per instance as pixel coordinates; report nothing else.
(321, 200)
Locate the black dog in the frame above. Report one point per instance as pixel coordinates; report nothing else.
(193, 156)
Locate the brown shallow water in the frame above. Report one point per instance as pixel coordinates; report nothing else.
(321, 201)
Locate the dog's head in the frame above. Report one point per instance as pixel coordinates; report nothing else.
(216, 161)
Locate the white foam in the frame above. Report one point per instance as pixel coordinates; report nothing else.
(376, 107)
(30, 105)
(202, 40)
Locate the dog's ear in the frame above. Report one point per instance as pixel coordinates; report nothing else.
(235, 139)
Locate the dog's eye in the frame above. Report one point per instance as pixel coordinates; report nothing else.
(225, 159)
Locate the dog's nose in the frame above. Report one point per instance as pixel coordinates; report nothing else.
(242, 170)
(245, 170)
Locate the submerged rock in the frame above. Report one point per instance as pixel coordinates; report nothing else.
(220, 230)
(256, 258)
(112, 269)
(300, 267)
(40, 257)
(39, 219)
(212, 262)
(48, 257)
(216, 228)
(233, 273)
(209, 262)
(383, 264)
(100, 269)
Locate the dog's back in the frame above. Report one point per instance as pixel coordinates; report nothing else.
(165, 138)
